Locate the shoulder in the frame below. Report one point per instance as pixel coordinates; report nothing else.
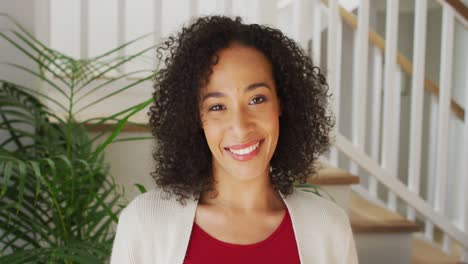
(152, 226)
(153, 206)
(320, 210)
(153, 198)
(322, 224)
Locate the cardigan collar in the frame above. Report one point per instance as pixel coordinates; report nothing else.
(297, 212)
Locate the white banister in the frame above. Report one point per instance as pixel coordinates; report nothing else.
(376, 112)
(417, 96)
(333, 158)
(464, 171)
(333, 78)
(400, 83)
(446, 60)
(317, 32)
(84, 29)
(359, 111)
(389, 155)
(431, 164)
(337, 92)
(460, 18)
(371, 166)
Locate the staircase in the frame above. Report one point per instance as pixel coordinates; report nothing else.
(381, 235)
(401, 148)
(399, 130)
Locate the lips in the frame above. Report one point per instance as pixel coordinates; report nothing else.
(245, 152)
(243, 146)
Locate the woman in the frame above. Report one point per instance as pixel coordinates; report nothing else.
(239, 115)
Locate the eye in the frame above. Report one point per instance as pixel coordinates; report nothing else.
(216, 108)
(257, 100)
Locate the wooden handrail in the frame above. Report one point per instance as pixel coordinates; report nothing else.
(404, 62)
(459, 7)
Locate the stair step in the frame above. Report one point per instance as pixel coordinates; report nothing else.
(367, 217)
(335, 184)
(424, 253)
(328, 175)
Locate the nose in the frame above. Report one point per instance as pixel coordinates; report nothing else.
(241, 123)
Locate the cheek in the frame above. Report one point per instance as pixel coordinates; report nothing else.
(273, 126)
(212, 132)
(272, 119)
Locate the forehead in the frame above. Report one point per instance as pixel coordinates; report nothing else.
(239, 66)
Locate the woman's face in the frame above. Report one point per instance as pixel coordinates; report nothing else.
(239, 109)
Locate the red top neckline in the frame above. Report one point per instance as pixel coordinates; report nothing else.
(198, 229)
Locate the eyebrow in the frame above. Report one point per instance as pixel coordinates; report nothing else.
(250, 87)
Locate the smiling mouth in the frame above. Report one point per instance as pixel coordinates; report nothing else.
(246, 153)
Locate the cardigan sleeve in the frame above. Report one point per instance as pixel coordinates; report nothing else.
(120, 249)
(350, 256)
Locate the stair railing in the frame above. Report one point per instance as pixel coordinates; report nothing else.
(382, 164)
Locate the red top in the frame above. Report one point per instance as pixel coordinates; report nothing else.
(279, 247)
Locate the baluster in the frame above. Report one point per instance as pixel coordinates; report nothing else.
(317, 32)
(333, 78)
(446, 58)
(337, 95)
(432, 149)
(359, 92)
(376, 113)
(389, 155)
(400, 84)
(417, 96)
(464, 170)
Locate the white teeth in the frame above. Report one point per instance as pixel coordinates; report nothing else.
(246, 150)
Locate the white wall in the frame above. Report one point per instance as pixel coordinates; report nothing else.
(31, 15)
(26, 12)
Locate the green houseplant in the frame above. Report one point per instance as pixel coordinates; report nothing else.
(57, 199)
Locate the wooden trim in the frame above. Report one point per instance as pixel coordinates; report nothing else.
(366, 217)
(459, 7)
(404, 62)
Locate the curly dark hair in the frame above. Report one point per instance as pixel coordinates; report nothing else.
(183, 158)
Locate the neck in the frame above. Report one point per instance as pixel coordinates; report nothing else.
(252, 195)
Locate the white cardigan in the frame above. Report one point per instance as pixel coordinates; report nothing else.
(156, 229)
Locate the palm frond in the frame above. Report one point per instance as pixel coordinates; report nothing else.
(58, 202)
